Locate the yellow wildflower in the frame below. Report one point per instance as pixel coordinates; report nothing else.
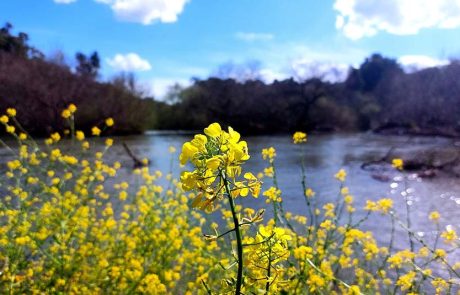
(55, 137)
(79, 135)
(440, 285)
(341, 175)
(4, 119)
(309, 193)
(213, 130)
(66, 114)
(406, 281)
(440, 253)
(269, 153)
(11, 112)
(10, 129)
(354, 290)
(299, 137)
(348, 199)
(95, 131)
(434, 216)
(72, 108)
(449, 236)
(397, 163)
(385, 205)
(109, 122)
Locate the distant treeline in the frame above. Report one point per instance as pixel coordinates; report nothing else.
(40, 88)
(378, 95)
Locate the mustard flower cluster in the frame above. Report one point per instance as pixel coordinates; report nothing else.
(299, 137)
(267, 254)
(216, 155)
(8, 120)
(69, 224)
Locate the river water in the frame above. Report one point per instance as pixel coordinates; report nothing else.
(324, 156)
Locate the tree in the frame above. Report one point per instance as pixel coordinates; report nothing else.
(128, 82)
(374, 69)
(174, 94)
(17, 45)
(88, 66)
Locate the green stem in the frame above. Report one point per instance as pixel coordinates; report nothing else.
(267, 285)
(304, 187)
(408, 219)
(327, 276)
(426, 245)
(239, 243)
(275, 182)
(280, 204)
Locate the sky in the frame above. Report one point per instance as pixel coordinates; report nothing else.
(168, 41)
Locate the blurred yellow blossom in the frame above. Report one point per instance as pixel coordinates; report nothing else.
(4, 119)
(11, 112)
(299, 137)
(434, 216)
(66, 114)
(109, 122)
(79, 135)
(72, 108)
(341, 175)
(95, 131)
(397, 163)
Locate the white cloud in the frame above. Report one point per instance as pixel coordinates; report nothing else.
(251, 37)
(303, 62)
(146, 11)
(129, 63)
(365, 18)
(248, 70)
(270, 75)
(413, 63)
(64, 1)
(159, 87)
(283, 60)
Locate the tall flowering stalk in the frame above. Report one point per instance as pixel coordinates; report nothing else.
(273, 194)
(299, 138)
(217, 157)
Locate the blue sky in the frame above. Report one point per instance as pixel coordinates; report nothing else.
(163, 41)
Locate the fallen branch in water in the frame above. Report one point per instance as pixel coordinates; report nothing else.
(425, 163)
(137, 162)
(385, 159)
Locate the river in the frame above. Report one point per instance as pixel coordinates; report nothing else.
(324, 156)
